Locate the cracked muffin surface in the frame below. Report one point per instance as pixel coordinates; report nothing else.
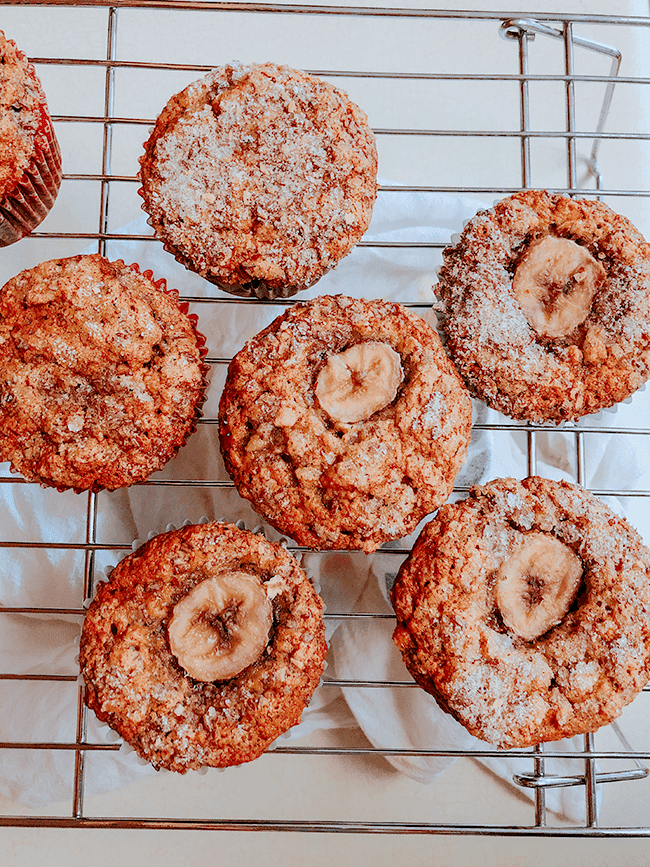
(545, 303)
(260, 178)
(103, 374)
(136, 684)
(344, 423)
(471, 630)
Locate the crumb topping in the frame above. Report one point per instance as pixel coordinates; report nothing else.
(136, 685)
(505, 361)
(508, 690)
(260, 174)
(329, 483)
(102, 374)
(21, 98)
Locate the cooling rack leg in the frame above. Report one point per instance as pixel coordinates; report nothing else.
(570, 106)
(531, 456)
(524, 38)
(540, 793)
(79, 757)
(590, 784)
(89, 581)
(109, 96)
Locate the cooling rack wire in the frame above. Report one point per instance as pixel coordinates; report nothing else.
(560, 112)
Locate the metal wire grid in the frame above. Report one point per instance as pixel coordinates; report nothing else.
(523, 31)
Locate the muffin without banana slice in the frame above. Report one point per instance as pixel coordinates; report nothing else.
(30, 157)
(260, 178)
(103, 374)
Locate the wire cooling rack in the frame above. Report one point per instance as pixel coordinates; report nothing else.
(520, 101)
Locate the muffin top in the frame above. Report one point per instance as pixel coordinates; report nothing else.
(103, 374)
(21, 106)
(192, 597)
(546, 306)
(260, 177)
(344, 423)
(525, 611)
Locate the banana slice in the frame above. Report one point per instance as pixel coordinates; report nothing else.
(536, 586)
(221, 626)
(555, 283)
(359, 381)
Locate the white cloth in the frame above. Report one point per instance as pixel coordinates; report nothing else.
(398, 717)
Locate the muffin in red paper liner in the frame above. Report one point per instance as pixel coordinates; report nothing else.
(103, 373)
(260, 178)
(205, 645)
(30, 158)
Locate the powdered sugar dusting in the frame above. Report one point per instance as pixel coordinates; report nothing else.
(501, 356)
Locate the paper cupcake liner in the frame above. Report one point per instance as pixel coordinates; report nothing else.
(161, 285)
(26, 206)
(184, 306)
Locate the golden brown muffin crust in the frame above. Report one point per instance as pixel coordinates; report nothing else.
(102, 374)
(21, 98)
(30, 158)
(260, 178)
(342, 485)
(501, 357)
(507, 690)
(136, 685)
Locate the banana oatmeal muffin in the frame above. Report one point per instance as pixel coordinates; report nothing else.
(30, 158)
(103, 374)
(344, 422)
(260, 178)
(204, 646)
(546, 306)
(525, 611)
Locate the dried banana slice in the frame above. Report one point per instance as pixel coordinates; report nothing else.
(360, 381)
(536, 586)
(555, 283)
(221, 626)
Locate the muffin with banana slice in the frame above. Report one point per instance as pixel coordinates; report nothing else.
(545, 303)
(203, 647)
(344, 422)
(525, 611)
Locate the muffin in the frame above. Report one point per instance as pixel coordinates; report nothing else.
(30, 159)
(260, 178)
(344, 423)
(103, 374)
(546, 306)
(205, 645)
(525, 611)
